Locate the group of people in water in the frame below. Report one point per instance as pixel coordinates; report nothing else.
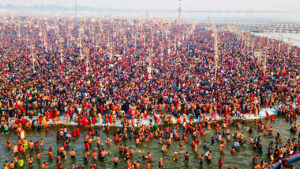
(95, 149)
(118, 72)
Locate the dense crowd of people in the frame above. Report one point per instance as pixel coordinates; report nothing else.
(101, 71)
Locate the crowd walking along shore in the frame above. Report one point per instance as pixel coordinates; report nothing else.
(117, 83)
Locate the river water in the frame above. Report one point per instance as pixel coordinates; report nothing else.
(242, 159)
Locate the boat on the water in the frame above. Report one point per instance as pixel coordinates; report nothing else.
(291, 158)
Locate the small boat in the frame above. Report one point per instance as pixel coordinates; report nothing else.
(291, 158)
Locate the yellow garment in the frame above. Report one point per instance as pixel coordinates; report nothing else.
(171, 120)
(44, 121)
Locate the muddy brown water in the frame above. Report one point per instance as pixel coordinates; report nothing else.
(242, 159)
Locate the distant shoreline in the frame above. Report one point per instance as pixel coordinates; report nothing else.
(195, 15)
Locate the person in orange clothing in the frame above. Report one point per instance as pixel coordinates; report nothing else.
(39, 155)
(98, 142)
(131, 151)
(59, 166)
(6, 165)
(116, 160)
(233, 150)
(149, 156)
(31, 144)
(58, 159)
(50, 155)
(120, 149)
(186, 156)
(108, 140)
(42, 142)
(30, 161)
(8, 144)
(129, 164)
(72, 154)
(137, 165)
(85, 156)
(95, 156)
(12, 165)
(160, 163)
(127, 155)
(148, 166)
(255, 158)
(44, 165)
(103, 154)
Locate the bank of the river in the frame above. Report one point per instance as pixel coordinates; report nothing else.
(62, 120)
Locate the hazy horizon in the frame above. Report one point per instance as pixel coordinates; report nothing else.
(267, 5)
(255, 10)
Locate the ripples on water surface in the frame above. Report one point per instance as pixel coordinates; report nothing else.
(242, 159)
